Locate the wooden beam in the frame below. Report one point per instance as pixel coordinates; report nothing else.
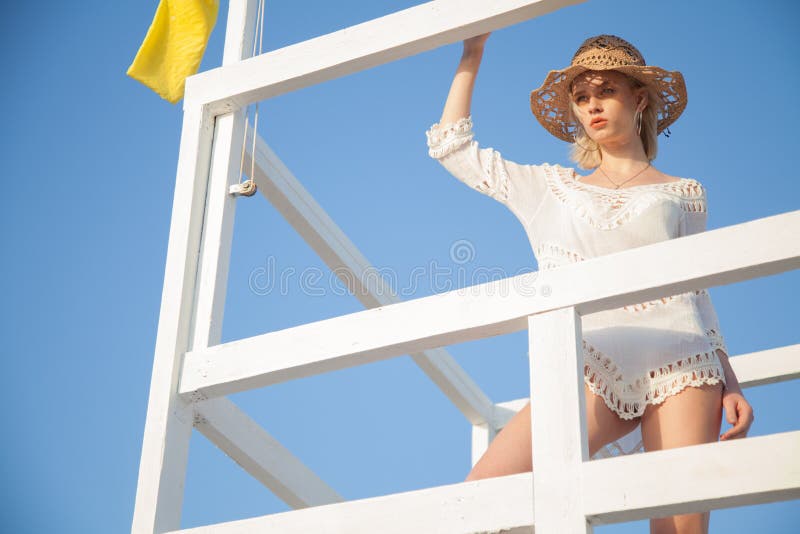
(636, 275)
(558, 421)
(767, 366)
(735, 473)
(356, 48)
(299, 208)
(261, 455)
(501, 504)
(168, 425)
(641, 485)
(724, 474)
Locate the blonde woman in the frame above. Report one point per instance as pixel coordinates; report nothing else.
(661, 367)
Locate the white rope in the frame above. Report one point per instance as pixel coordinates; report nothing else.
(248, 188)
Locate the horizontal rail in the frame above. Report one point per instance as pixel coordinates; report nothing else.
(273, 465)
(453, 508)
(362, 46)
(767, 366)
(697, 261)
(736, 473)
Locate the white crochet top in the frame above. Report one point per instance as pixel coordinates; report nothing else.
(634, 355)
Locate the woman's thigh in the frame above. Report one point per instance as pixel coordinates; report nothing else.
(691, 417)
(510, 451)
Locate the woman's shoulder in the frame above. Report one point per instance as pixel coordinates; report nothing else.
(668, 178)
(690, 190)
(690, 187)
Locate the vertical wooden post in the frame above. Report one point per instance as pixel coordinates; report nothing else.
(558, 422)
(482, 436)
(165, 446)
(194, 288)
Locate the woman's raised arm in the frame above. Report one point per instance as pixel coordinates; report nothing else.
(459, 100)
(451, 141)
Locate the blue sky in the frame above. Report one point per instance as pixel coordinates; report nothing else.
(88, 162)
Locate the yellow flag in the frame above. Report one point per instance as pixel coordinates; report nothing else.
(174, 45)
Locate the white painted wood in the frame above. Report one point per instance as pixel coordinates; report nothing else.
(724, 474)
(734, 473)
(494, 505)
(350, 50)
(610, 281)
(285, 192)
(240, 31)
(217, 238)
(168, 425)
(261, 455)
(194, 288)
(508, 409)
(159, 492)
(558, 421)
(767, 366)
(221, 420)
(220, 207)
(482, 436)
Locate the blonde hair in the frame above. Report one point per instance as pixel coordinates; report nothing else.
(587, 154)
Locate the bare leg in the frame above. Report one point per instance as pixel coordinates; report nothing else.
(692, 417)
(510, 451)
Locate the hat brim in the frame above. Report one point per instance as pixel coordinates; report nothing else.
(550, 102)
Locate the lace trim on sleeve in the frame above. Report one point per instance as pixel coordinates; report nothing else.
(495, 178)
(444, 139)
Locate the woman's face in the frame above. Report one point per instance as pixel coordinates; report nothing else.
(605, 104)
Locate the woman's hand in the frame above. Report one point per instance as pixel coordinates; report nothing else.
(475, 44)
(738, 412)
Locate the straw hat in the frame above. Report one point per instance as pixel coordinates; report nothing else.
(550, 102)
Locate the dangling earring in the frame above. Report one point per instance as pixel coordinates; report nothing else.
(638, 123)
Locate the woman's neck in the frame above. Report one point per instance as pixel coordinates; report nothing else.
(623, 159)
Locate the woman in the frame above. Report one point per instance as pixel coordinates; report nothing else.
(662, 366)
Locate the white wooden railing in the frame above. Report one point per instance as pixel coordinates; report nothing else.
(193, 372)
(600, 491)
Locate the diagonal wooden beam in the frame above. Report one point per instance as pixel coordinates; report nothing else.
(261, 455)
(286, 193)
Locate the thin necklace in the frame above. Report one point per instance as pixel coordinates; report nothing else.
(626, 181)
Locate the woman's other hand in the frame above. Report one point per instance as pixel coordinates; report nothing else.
(738, 412)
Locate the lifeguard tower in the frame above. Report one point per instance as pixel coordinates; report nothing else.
(568, 492)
